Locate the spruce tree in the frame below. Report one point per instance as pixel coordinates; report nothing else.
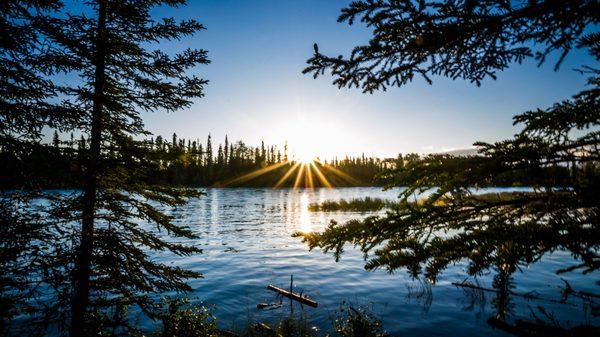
(226, 150)
(258, 156)
(209, 152)
(263, 151)
(108, 47)
(201, 161)
(272, 157)
(209, 173)
(55, 140)
(472, 40)
(158, 143)
(220, 157)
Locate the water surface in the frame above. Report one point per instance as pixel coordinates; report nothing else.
(246, 239)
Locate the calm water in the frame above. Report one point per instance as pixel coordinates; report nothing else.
(247, 243)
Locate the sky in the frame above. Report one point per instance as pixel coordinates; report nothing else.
(257, 92)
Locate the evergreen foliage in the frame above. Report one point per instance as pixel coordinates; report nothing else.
(471, 39)
(99, 239)
(458, 39)
(28, 103)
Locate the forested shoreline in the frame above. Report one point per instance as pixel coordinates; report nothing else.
(193, 163)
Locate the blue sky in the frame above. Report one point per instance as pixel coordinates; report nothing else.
(257, 92)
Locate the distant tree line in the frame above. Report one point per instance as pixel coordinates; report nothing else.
(404, 167)
(193, 163)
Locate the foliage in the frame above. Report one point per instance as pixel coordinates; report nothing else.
(294, 327)
(182, 162)
(191, 164)
(517, 229)
(366, 204)
(90, 250)
(21, 247)
(353, 322)
(347, 322)
(28, 103)
(469, 40)
(180, 319)
(184, 320)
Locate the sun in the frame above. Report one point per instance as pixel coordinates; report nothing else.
(309, 136)
(304, 169)
(305, 157)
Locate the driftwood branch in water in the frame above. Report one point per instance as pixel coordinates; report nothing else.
(291, 295)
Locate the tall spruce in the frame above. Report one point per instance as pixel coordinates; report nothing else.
(108, 47)
(209, 152)
(226, 150)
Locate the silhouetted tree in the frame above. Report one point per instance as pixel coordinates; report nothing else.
(272, 155)
(107, 47)
(158, 143)
(471, 40)
(457, 39)
(226, 150)
(209, 152)
(220, 160)
(55, 140)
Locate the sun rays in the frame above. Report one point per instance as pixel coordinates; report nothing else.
(344, 176)
(255, 174)
(300, 174)
(287, 175)
(320, 175)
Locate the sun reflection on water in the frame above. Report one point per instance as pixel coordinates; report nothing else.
(305, 224)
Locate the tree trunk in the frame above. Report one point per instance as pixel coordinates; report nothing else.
(83, 263)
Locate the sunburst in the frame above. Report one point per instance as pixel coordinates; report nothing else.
(254, 174)
(303, 173)
(287, 175)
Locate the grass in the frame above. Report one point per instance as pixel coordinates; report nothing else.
(369, 204)
(366, 204)
(184, 320)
